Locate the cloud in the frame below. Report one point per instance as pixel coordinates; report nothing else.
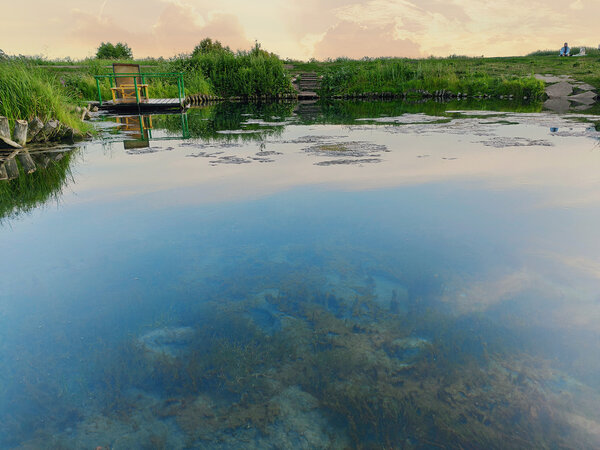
(295, 27)
(356, 41)
(228, 29)
(177, 29)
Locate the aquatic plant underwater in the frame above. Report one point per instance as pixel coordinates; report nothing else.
(295, 365)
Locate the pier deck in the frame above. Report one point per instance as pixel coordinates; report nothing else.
(149, 105)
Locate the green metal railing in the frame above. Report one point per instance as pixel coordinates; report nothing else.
(143, 76)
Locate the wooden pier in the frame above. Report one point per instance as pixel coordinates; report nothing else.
(129, 89)
(146, 106)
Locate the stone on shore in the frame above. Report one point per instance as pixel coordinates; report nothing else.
(12, 169)
(558, 105)
(26, 161)
(587, 97)
(5, 134)
(562, 89)
(3, 174)
(35, 126)
(4, 128)
(50, 129)
(20, 132)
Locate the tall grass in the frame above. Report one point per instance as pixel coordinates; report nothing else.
(405, 76)
(252, 73)
(27, 91)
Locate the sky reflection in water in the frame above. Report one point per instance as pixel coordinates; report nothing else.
(447, 245)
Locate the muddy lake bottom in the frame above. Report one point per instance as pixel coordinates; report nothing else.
(306, 276)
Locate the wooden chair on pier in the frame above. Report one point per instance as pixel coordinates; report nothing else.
(128, 87)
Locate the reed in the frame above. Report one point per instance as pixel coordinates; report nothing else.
(27, 91)
(245, 73)
(399, 76)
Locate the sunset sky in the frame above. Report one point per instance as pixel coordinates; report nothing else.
(300, 29)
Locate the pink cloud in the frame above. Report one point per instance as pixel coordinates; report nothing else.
(355, 41)
(174, 31)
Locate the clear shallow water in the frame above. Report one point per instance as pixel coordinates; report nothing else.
(357, 275)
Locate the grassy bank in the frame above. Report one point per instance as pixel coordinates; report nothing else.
(412, 78)
(27, 91)
(257, 73)
(221, 72)
(491, 76)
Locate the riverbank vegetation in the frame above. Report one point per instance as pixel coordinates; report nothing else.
(471, 75)
(28, 91)
(420, 78)
(214, 69)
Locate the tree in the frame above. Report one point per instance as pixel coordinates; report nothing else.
(208, 46)
(110, 51)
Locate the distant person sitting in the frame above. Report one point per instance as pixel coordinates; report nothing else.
(565, 51)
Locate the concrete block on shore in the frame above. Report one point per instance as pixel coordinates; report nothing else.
(34, 127)
(5, 134)
(558, 90)
(20, 132)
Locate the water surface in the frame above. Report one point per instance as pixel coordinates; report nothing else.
(305, 276)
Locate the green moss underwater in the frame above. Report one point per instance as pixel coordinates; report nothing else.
(307, 364)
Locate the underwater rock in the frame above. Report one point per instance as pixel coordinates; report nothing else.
(406, 349)
(168, 341)
(290, 420)
(140, 429)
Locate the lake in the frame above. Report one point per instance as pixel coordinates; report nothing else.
(353, 274)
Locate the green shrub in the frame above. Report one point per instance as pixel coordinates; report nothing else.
(251, 73)
(106, 50)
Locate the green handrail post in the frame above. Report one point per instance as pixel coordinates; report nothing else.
(184, 126)
(179, 89)
(99, 93)
(137, 94)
